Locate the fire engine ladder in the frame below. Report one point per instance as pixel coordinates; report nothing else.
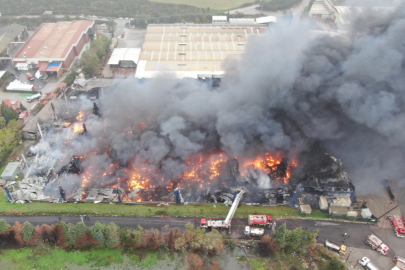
(232, 211)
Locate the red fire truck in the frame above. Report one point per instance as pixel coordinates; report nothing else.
(376, 243)
(260, 220)
(398, 225)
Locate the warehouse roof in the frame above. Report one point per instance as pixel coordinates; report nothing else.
(127, 54)
(188, 50)
(8, 33)
(54, 40)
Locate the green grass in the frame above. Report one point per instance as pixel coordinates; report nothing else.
(201, 210)
(150, 260)
(45, 257)
(26, 95)
(212, 4)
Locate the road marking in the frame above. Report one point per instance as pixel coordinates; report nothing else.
(321, 223)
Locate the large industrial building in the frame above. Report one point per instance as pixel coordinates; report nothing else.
(9, 36)
(193, 50)
(54, 46)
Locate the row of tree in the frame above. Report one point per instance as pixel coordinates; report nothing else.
(116, 8)
(79, 236)
(91, 59)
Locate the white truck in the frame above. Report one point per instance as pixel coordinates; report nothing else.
(253, 231)
(34, 97)
(223, 223)
(334, 246)
(377, 244)
(367, 264)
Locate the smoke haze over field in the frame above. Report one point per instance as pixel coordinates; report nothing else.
(288, 91)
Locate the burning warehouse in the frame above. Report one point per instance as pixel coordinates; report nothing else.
(146, 138)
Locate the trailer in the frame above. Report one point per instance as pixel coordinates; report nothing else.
(367, 264)
(226, 223)
(260, 220)
(377, 244)
(398, 225)
(334, 246)
(253, 231)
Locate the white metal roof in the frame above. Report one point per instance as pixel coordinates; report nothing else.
(219, 18)
(120, 54)
(2, 72)
(267, 19)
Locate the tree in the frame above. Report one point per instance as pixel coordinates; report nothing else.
(80, 230)
(267, 246)
(28, 230)
(280, 235)
(4, 226)
(90, 63)
(8, 113)
(2, 122)
(113, 235)
(335, 264)
(194, 262)
(293, 239)
(98, 232)
(22, 108)
(18, 233)
(70, 78)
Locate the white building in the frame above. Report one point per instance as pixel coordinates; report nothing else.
(124, 58)
(219, 19)
(323, 9)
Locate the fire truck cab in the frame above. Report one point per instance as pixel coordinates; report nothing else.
(398, 225)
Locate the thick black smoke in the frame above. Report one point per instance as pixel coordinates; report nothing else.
(290, 89)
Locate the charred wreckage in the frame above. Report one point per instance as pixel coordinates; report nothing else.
(268, 179)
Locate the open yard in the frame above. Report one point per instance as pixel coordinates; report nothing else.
(212, 4)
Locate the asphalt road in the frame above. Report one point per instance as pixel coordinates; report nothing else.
(329, 229)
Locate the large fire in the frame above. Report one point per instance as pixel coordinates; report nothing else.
(202, 170)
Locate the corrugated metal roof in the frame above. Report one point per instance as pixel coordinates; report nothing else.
(54, 40)
(127, 54)
(10, 169)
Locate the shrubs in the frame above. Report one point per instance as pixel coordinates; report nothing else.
(28, 230)
(100, 235)
(267, 246)
(4, 226)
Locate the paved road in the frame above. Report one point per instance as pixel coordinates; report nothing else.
(328, 229)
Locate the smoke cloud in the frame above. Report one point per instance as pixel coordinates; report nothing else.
(289, 90)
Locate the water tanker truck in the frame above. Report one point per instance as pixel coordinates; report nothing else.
(334, 246)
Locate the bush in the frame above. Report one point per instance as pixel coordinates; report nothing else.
(98, 232)
(267, 246)
(113, 235)
(70, 78)
(194, 262)
(4, 226)
(28, 230)
(335, 264)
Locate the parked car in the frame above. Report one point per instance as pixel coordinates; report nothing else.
(29, 76)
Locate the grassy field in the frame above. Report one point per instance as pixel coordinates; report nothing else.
(201, 210)
(212, 4)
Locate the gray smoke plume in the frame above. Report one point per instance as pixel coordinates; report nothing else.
(289, 90)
